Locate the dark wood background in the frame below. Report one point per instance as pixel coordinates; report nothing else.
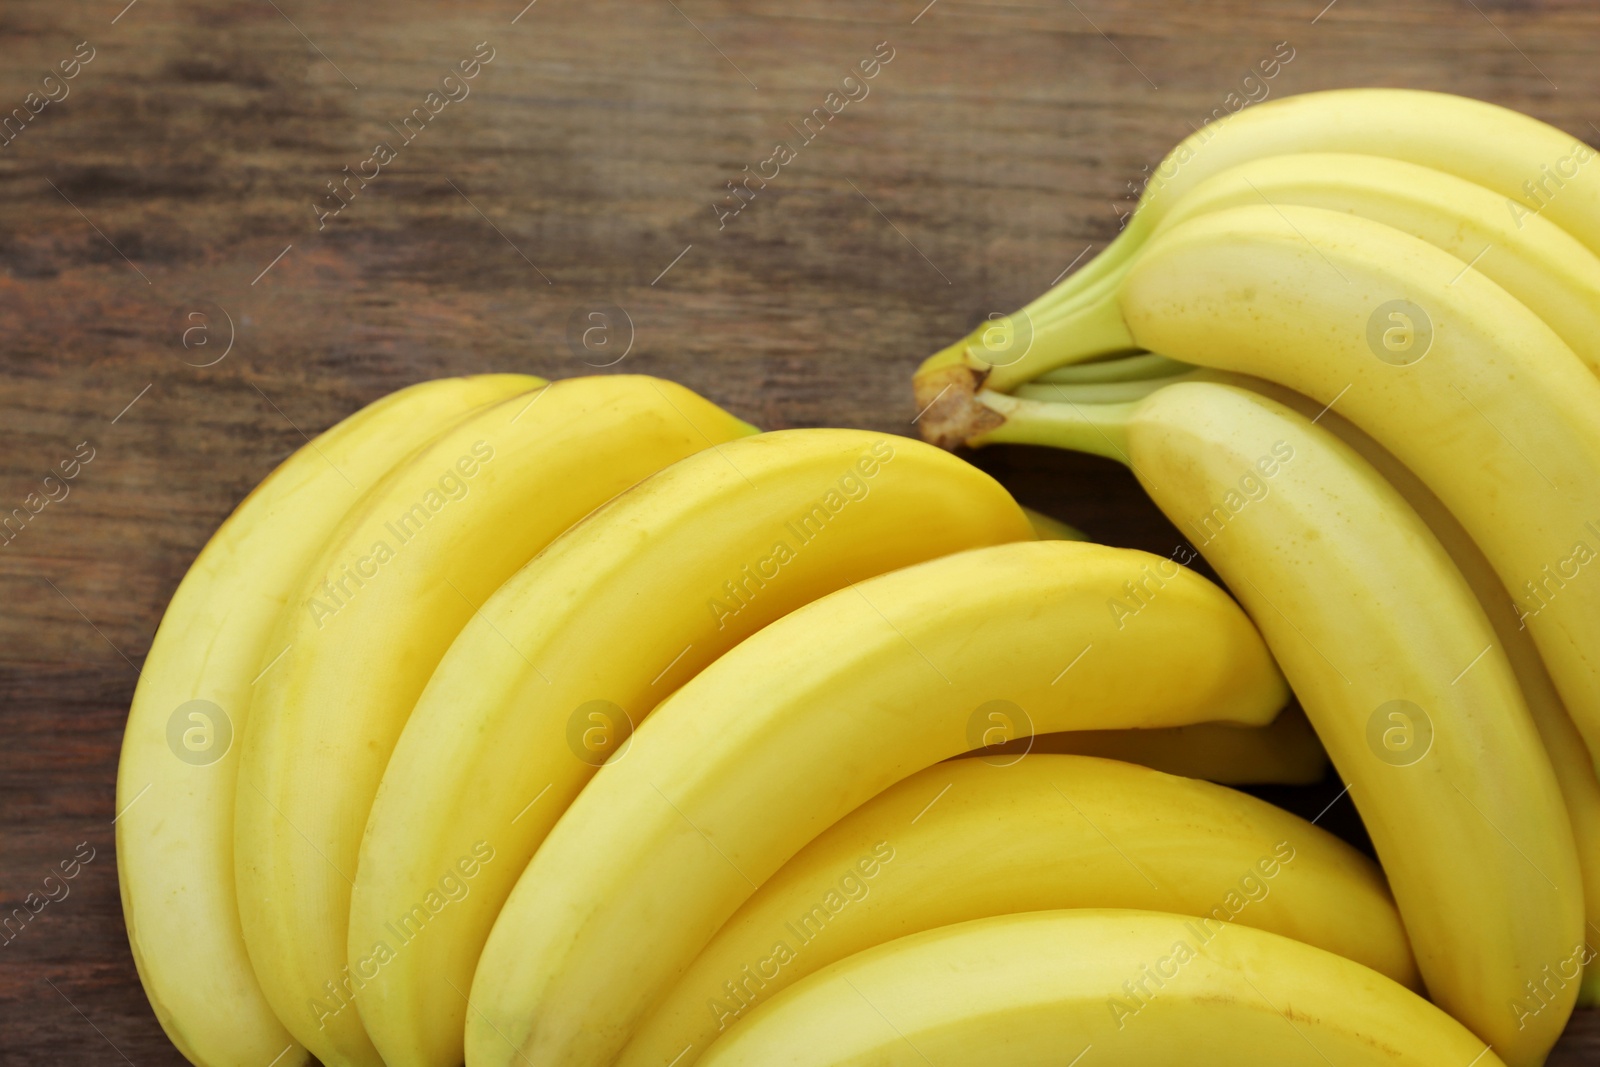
(581, 171)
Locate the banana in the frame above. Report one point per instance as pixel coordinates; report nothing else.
(966, 840)
(1575, 774)
(582, 642)
(178, 769)
(1580, 787)
(1540, 171)
(807, 719)
(1530, 257)
(1460, 369)
(1385, 646)
(365, 626)
(1115, 988)
(1286, 752)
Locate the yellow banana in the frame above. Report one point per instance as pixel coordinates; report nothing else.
(1528, 256)
(1399, 671)
(1538, 170)
(1113, 988)
(805, 720)
(180, 762)
(966, 840)
(1286, 752)
(1434, 363)
(1568, 757)
(581, 643)
(363, 630)
(1562, 742)
(1532, 258)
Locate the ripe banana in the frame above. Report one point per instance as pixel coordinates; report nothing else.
(1460, 369)
(1115, 988)
(364, 628)
(1530, 257)
(1568, 757)
(1580, 787)
(1286, 752)
(1496, 385)
(967, 840)
(767, 747)
(1540, 171)
(1384, 643)
(583, 642)
(179, 765)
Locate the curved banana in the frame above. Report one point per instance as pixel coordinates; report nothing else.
(1569, 758)
(1575, 774)
(1398, 669)
(1434, 363)
(1116, 988)
(583, 642)
(966, 840)
(364, 628)
(1532, 258)
(1540, 171)
(179, 767)
(1574, 771)
(1285, 752)
(1492, 382)
(768, 747)
(1527, 255)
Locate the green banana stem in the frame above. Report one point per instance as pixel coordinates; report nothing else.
(1113, 259)
(1107, 392)
(1077, 321)
(1097, 428)
(1130, 368)
(1092, 328)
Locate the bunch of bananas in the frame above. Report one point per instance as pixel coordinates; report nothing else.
(578, 723)
(1349, 346)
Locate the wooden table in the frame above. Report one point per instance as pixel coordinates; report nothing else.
(169, 205)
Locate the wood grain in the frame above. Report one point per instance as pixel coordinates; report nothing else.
(991, 151)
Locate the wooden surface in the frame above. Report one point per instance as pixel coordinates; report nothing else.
(581, 172)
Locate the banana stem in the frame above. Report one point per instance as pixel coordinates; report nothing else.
(1121, 369)
(1111, 260)
(1109, 392)
(1099, 429)
(1092, 328)
(1077, 321)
